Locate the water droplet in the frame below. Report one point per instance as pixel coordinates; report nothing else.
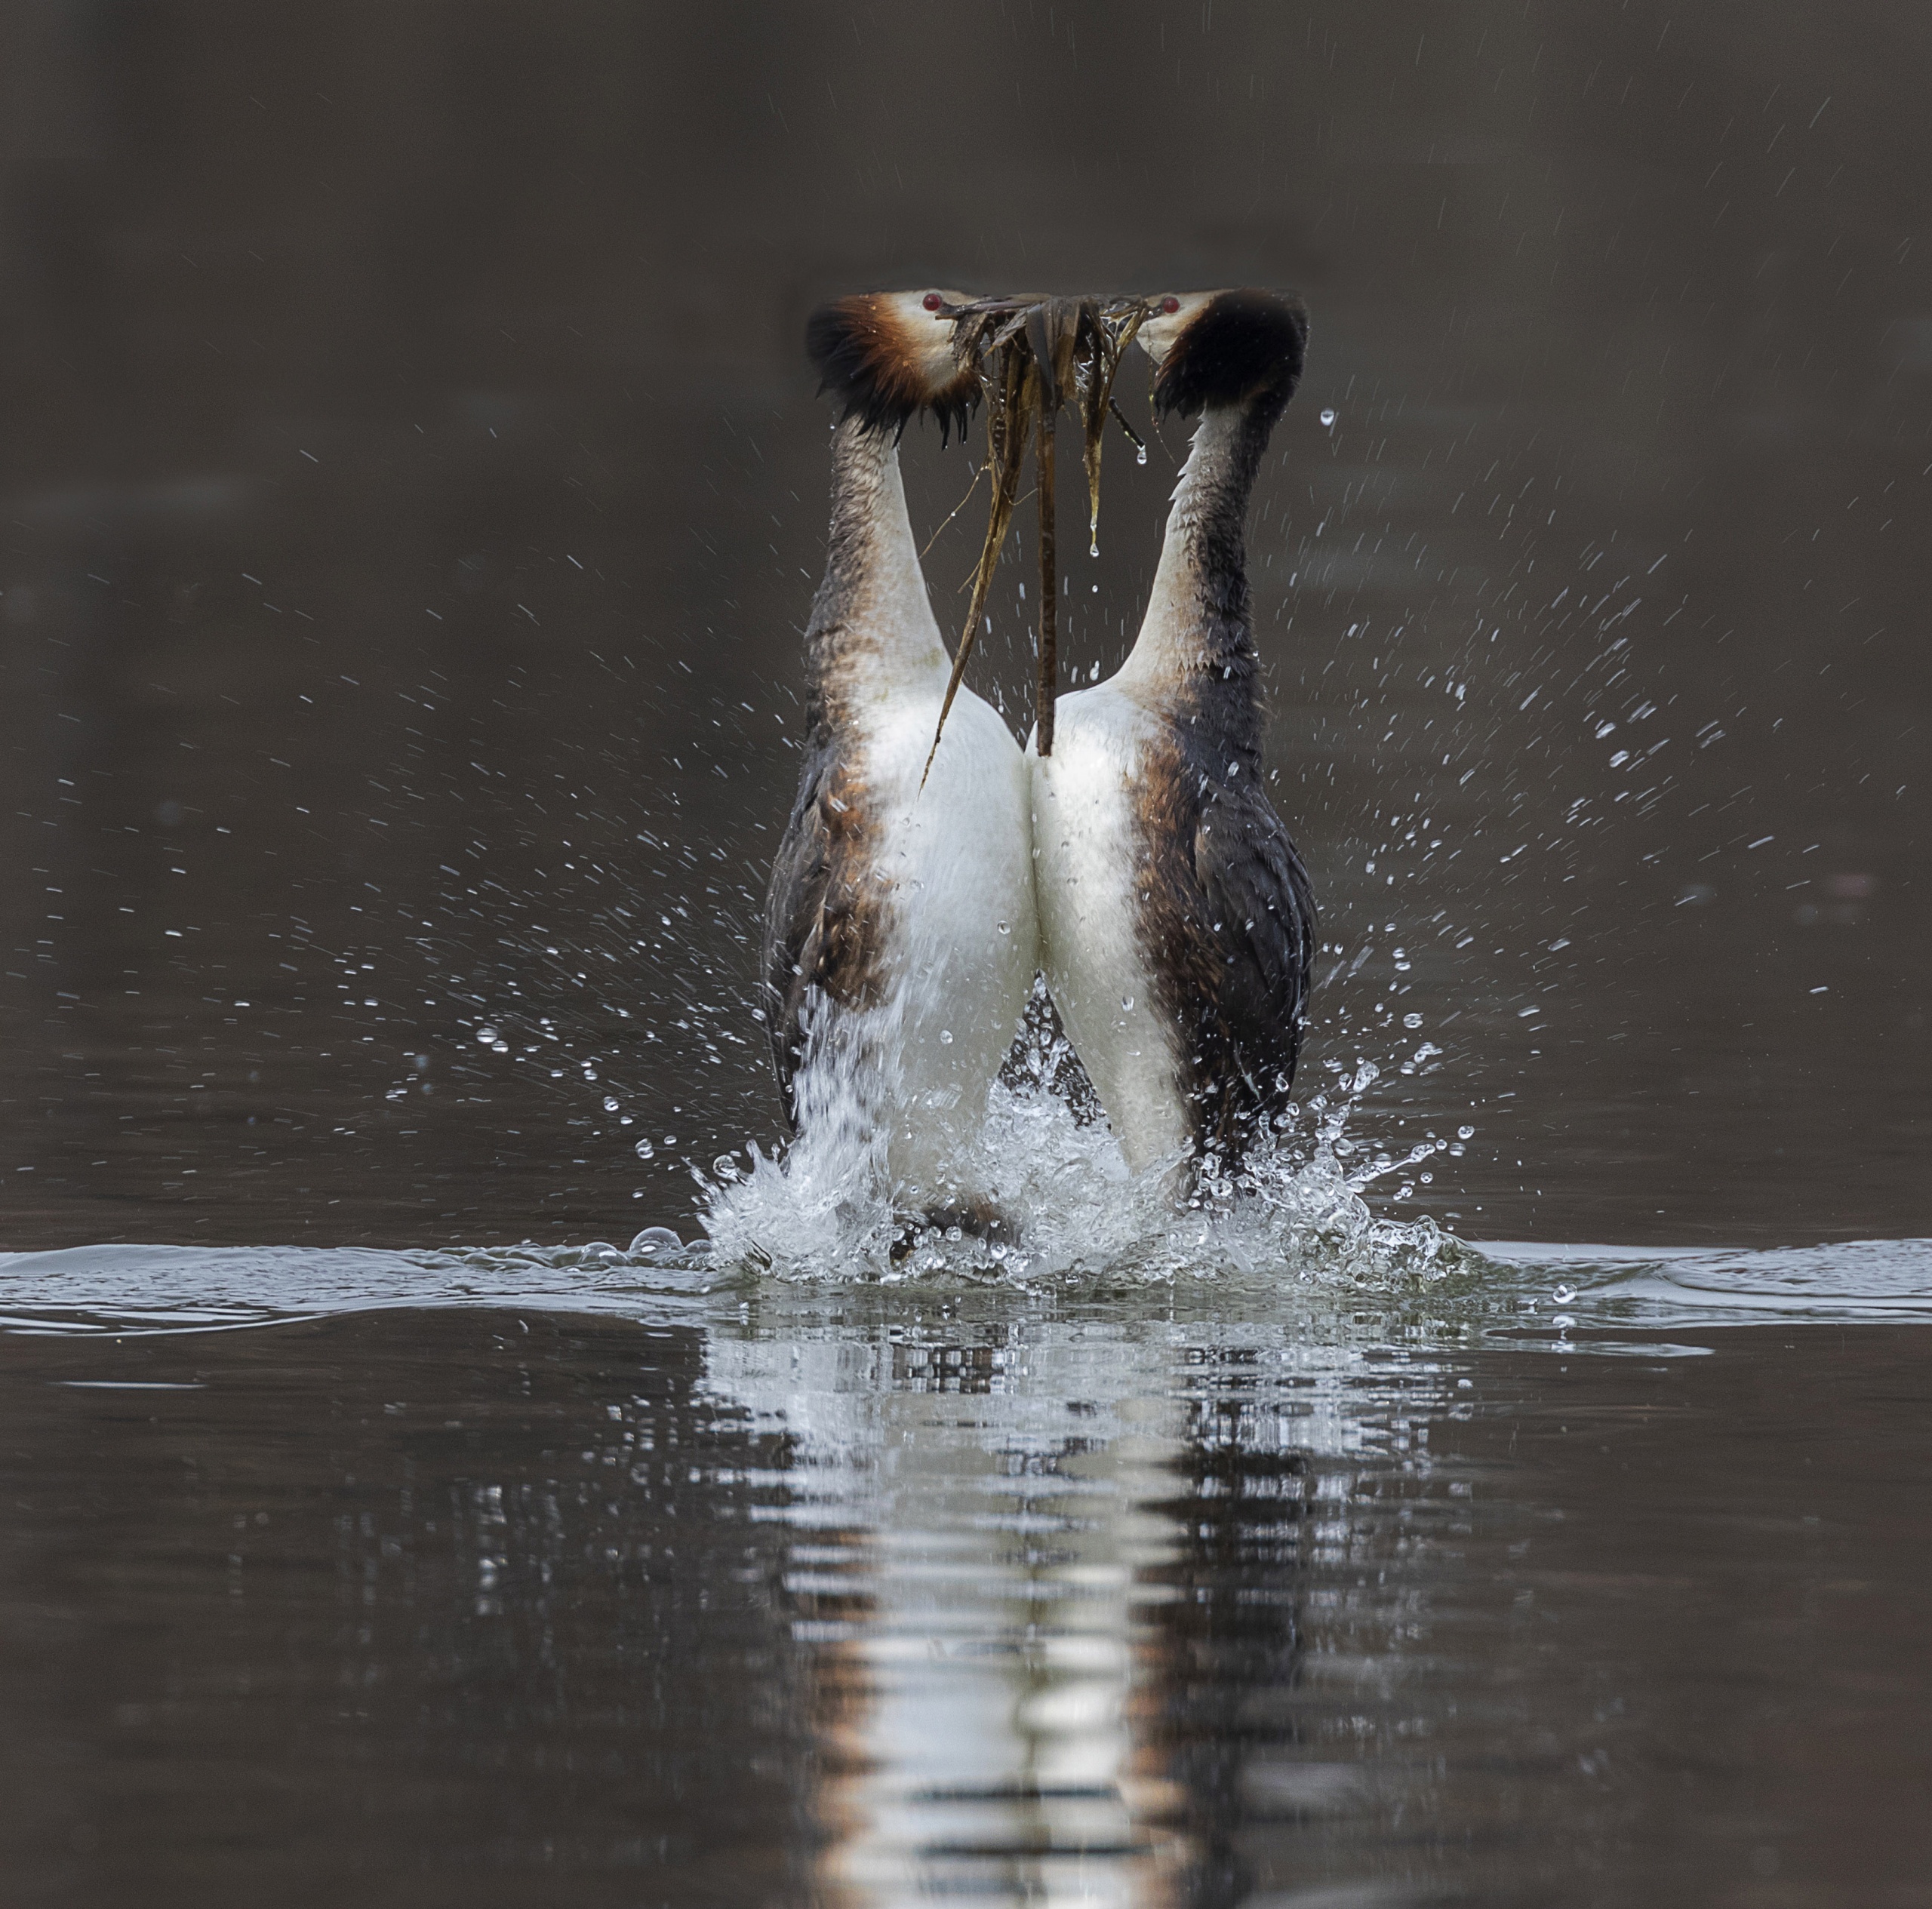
(1564, 1295)
(644, 1149)
(654, 1240)
(1412, 1020)
(1466, 1133)
(487, 1037)
(1093, 549)
(946, 1037)
(670, 1140)
(1328, 418)
(610, 1103)
(1140, 455)
(725, 1167)
(1127, 1003)
(1004, 929)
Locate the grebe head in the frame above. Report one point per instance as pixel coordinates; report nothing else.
(1225, 348)
(885, 355)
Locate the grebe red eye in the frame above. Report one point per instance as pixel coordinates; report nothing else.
(932, 301)
(1171, 303)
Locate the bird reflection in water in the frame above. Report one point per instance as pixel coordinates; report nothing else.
(985, 1655)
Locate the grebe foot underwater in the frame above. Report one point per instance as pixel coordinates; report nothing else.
(1177, 923)
(900, 939)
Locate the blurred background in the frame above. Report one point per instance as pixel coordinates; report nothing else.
(412, 491)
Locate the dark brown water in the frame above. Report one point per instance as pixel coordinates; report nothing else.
(411, 492)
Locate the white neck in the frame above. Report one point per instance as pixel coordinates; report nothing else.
(873, 615)
(1168, 644)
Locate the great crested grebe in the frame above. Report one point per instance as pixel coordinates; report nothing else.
(1177, 921)
(900, 939)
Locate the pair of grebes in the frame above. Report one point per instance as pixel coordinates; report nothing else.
(1129, 854)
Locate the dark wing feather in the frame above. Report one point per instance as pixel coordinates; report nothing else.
(822, 925)
(1261, 922)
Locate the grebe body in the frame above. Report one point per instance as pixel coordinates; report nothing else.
(900, 934)
(1177, 923)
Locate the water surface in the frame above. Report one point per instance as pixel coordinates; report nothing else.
(427, 1577)
(411, 494)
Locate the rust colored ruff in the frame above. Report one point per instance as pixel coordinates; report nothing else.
(888, 355)
(1177, 922)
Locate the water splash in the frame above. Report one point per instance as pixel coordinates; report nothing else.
(1294, 1210)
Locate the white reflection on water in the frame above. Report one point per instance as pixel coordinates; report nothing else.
(981, 1535)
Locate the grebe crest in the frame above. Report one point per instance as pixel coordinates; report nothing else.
(886, 356)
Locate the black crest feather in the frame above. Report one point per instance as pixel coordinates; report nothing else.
(865, 357)
(1240, 345)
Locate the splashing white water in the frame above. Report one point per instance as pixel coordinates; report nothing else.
(824, 1208)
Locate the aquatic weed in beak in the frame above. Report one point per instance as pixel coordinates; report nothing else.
(1034, 355)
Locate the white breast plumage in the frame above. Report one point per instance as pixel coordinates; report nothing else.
(1088, 855)
(964, 949)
